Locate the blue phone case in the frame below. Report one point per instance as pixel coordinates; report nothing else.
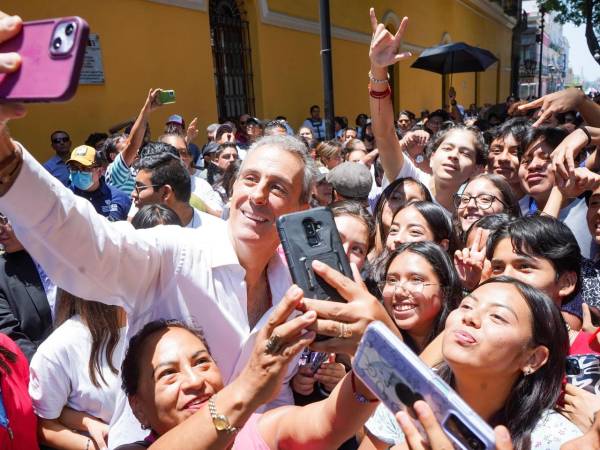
(399, 378)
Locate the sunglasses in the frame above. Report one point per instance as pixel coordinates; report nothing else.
(62, 140)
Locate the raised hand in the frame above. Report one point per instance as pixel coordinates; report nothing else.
(192, 130)
(580, 181)
(152, 101)
(438, 440)
(563, 156)
(344, 322)
(469, 261)
(385, 46)
(557, 102)
(277, 343)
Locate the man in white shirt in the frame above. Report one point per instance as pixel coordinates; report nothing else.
(226, 282)
(163, 179)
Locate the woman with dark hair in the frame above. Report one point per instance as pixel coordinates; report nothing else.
(484, 195)
(75, 376)
(420, 221)
(394, 197)
(419, 288)
(511, 335)
(176, 390)
(356, 229)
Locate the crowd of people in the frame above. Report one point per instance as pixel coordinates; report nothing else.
(145, 300)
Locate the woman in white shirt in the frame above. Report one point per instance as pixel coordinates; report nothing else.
(75, 374)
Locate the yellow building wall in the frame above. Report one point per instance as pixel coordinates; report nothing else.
(418, 89)
(144, 45)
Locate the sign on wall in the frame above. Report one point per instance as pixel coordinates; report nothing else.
(92, 71)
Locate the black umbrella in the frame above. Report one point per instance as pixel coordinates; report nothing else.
(455, 58)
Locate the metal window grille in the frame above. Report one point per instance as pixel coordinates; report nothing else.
(230, 41)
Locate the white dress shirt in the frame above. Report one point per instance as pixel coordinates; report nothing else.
(163, 272)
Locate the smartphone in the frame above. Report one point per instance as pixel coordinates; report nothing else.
(52, 53)
(399, 378)
(312, 235)
(167, 96)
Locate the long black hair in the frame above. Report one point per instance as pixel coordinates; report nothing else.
(445, 272)
(103, 323)
(383, 200)
(532, 394)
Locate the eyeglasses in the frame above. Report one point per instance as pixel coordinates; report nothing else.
(482, 201)
(138, 188)
(62, 140)
(413, 286)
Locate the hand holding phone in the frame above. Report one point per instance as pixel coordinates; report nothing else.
(51, 56)
(166, 96)
(399, 379)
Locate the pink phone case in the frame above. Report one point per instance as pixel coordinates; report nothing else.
(44, 77)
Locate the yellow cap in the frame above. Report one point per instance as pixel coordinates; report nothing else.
(84, 155)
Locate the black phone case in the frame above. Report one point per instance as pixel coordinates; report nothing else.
(301, 250)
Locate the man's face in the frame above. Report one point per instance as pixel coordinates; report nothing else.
(455, 157)
(227, 156)
(533, 270)
(349, 134)
(95, 171)
(435, 124)
(226, 137)
(179, 143)
(61, 143)
(503, 159)
(269, 184)
(243, 121)
(253, 131)
(404, 122)
(144, 192)
(315, 113)
(536, 170)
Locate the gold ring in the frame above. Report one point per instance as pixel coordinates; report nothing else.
(345, 331)
(273, 345)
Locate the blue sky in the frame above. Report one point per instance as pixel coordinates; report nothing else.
(580, 58)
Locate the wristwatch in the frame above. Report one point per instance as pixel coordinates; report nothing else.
(220, 421)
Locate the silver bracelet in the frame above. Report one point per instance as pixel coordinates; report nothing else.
(377, 80)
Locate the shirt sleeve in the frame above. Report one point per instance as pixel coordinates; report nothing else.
(409, 170)
(382, 424)
(82, 251)
(49, 386)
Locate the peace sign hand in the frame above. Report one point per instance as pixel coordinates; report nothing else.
(385, 47)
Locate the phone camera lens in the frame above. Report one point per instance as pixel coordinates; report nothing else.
(69, 29)
(57, 43)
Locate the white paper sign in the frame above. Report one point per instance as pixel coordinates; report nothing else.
(92, 71)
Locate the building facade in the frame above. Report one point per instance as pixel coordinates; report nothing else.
(225, 57)
(555, 53)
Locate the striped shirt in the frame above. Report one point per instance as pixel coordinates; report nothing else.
(120, 175)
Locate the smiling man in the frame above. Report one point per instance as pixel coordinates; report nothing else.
(226, 282)
(538, 177)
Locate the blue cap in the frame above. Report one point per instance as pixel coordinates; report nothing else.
(176, 118)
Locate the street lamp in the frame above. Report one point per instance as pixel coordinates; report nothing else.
(541, 39)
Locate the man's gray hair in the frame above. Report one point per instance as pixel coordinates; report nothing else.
(298, 148)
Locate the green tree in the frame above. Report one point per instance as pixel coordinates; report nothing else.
(578, 12)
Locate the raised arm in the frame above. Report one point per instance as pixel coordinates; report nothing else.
(383, 53)
(136, 137)
(571, 99)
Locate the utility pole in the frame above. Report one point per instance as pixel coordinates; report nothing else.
(327, 67)
(542, 12)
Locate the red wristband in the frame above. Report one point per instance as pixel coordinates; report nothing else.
(359, 397)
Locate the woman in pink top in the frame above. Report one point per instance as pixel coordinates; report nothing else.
(175, 389)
